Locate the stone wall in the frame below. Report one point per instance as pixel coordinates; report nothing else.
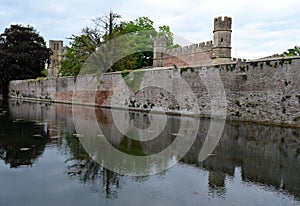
(265, 91)
(194, 54)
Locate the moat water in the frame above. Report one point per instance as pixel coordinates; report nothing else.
(45, 161)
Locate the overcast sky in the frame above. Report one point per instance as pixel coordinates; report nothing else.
(260, 27)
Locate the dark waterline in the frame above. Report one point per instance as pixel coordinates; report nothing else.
(43, 163)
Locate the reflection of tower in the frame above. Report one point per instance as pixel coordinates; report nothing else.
(159, 49)
(58, 54)
(222, 39)
(216, 182)
(2, 154)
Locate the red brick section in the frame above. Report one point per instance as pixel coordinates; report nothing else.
(102, 98)
(99, 98)
(191, 59)
(84, 97)
(64, 96)
(174, 61)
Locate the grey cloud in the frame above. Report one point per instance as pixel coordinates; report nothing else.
(257, 25)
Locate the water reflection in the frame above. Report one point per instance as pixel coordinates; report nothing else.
(89, 172)
(56, 121)
(21, 142)
(268, 157)
(116, 146)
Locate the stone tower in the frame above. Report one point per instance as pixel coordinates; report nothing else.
(58, 54)
(160, 45)
(222, 39)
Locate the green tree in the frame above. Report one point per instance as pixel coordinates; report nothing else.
(139, 24)
(141, 33)
(82, 47)
(139, 39)
(108, 24)
(23, 55)
(166, 32)
(85, 44)
(292, 52)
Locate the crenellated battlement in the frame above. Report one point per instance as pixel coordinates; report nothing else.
(222, 39)
(204, 53)
(191, 49)
(238, 60)
(222, 24)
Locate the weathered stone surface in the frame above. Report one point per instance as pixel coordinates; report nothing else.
(257, 91)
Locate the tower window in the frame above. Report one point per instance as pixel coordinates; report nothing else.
(222, 40)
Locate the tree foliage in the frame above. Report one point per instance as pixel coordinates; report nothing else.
(82, 47)
(23, 54)
(140, 33)
(292, 52)
(107, 25)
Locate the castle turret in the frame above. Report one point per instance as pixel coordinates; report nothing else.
(160, 46)
(222, 39)
(58, 54)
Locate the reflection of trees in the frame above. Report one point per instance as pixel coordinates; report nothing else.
(19, 135)
(130, 146)
(159, 133)
(89, 172)
(268, 156)
(18, 145)
(141, 121)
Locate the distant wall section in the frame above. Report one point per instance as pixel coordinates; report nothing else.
(195, 54)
